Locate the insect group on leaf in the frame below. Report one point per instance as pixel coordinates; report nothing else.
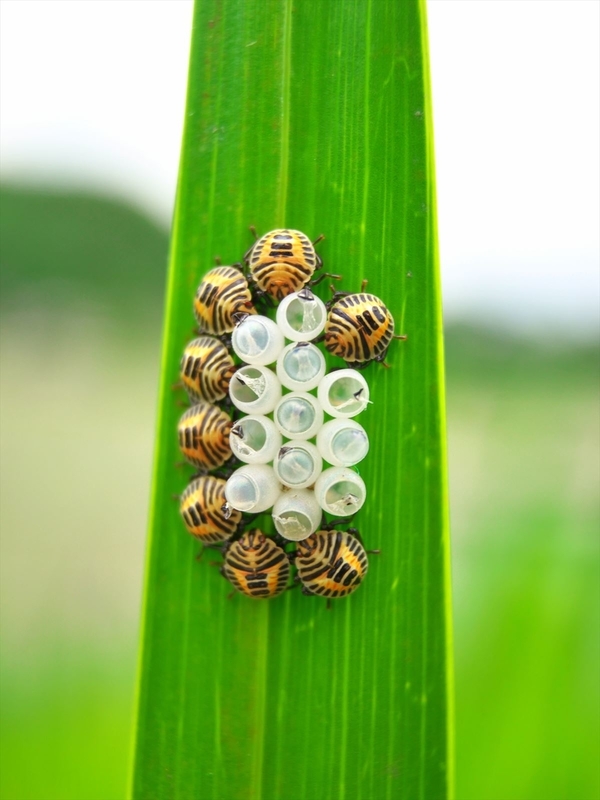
(284, 438)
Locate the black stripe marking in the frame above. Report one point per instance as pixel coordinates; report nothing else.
(368, 318)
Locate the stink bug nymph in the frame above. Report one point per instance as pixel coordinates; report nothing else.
(331, 563)
(201, 507)
(203, 433)
(206, 369)
(222, 293)
(283, 261)
(256, 566)
(359, 328)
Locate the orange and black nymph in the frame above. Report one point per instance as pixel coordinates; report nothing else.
(223, 292)
(203, 433)
(282, 261)
(206, 369)
(256, 566)
(359, 328)
(331, 563)
(201, 507)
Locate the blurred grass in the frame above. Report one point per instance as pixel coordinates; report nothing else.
(77, 392)
(82, 283)
(524, 468)
(66, 729)
(77, 414)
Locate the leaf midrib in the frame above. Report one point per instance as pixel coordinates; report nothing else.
(286, 77)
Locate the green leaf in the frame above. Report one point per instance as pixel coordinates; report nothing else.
(314, 115)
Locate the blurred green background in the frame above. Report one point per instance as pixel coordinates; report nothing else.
(81, 298)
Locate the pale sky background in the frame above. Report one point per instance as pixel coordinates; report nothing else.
(92, 95)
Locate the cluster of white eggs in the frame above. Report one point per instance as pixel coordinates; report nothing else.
(283, 468)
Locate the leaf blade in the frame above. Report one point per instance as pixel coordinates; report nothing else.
(288, 676)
